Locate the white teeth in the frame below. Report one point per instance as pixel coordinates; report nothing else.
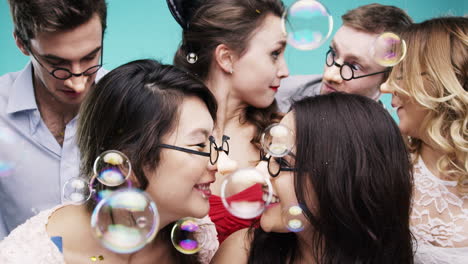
(274, 199)
(203, 187)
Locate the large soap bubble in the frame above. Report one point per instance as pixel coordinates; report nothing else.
(246, 193)
(388, 49)
(188, 236)
(277, 140)
(76, 190)
(112, 168)
(125, 221)
(308, 24)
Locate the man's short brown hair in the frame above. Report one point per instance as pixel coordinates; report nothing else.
(377, 18)
(34, 16)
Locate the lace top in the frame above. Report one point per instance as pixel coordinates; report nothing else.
(30, 242)
(439, 219)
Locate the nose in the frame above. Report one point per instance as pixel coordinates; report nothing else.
(283, 70)
(332, 74)
(212, 167)
(262, 167)
(385, 88)
(77, 84)
(225, 164)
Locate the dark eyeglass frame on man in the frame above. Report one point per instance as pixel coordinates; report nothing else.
(214, 149)
(346, 69)
(278, 165)
(66, 73)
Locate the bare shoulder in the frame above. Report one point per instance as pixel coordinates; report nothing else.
(235, 247)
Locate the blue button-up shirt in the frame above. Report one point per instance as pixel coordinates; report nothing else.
(33, 165)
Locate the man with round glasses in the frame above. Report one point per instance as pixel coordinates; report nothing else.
(348, 66)
(39, 105)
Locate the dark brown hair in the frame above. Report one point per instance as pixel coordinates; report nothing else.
(377, 18)
(233, 23)
(352, 166)
(34, 16)
(131, 109)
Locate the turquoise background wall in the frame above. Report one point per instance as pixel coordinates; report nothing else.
(146, 29)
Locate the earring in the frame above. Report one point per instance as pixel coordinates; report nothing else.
(231, 71)
(192, 57)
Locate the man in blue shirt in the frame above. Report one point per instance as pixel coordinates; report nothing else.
(348, 66)
(39, 105)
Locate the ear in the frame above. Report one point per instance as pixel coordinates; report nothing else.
(224, 57)
(21, 45)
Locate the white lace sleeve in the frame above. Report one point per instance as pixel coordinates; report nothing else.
(439, 219)
(30, 243)
(211, 243)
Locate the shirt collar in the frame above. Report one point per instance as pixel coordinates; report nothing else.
(22, 96)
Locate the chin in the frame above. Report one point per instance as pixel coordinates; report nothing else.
(272, 222)
(201, 210)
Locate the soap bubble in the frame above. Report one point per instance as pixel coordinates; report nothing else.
(246, 193)
(76, 190)
(293, 218)
(308, 24)
(125, 221)
(188, 236)
(277, 140)
(112, 168)
(388, 49)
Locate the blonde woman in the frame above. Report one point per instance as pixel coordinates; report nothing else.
(430, 94)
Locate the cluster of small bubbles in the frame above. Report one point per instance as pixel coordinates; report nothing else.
(293, 218)
(308, 24)
(187, 236)
(388, 49)
(277, 140)
(76, 190)
(125, 221)
(112, 168)
(234, 189)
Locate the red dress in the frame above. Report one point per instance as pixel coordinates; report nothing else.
(225, 222)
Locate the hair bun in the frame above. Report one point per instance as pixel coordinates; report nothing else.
(182, 10)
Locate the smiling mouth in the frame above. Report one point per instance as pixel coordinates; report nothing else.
(329, 88)
(274, 199)
(204, 188)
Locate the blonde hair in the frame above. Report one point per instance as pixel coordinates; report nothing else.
(437, 51)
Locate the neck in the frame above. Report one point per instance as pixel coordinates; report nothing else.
(306, 248)
(430, 156)
(50, 107)
(230, 107)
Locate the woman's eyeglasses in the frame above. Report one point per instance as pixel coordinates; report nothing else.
(214, 149)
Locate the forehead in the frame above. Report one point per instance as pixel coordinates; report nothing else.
(194, 120)
(70, 44)
(268, 33)
(351, 42)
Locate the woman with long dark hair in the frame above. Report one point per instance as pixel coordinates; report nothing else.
(348, 179)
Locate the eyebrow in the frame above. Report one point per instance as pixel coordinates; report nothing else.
(54, 57)
(352, 57)
(198, 131)
(282, 43)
